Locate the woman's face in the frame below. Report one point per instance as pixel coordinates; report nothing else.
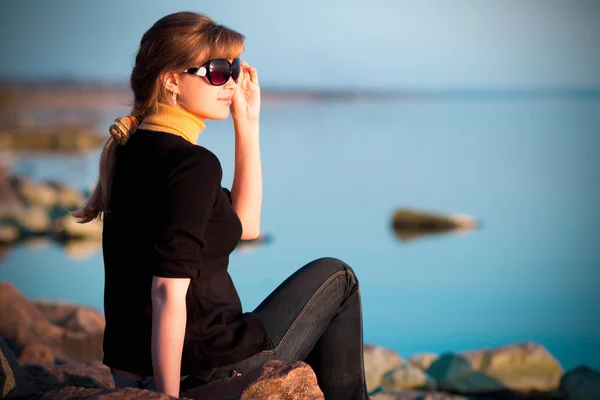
(198, 96)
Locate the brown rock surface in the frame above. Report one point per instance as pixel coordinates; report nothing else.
(36, 354)
(79, 393)
(272, 380)
(23, 323)
(13, 380)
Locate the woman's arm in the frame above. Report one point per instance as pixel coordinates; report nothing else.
(246, 192)
(168, 330)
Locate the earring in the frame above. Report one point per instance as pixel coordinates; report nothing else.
(174, 97)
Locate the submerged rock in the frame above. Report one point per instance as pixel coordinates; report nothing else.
(410, 223)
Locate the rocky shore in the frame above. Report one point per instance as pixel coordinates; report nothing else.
(32, 210)
(51, 350)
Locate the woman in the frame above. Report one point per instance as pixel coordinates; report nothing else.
(173, 316)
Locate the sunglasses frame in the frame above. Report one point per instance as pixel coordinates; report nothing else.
(205, 70)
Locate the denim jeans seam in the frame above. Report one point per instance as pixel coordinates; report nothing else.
(304, 311)
(211, 374)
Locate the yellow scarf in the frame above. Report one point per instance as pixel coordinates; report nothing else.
(174, 120)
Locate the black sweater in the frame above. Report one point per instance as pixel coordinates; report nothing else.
(169, 216)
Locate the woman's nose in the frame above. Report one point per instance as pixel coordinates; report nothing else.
(230, 84)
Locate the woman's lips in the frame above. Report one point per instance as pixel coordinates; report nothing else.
(225, 100)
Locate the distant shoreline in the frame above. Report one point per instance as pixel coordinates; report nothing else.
(73, 93)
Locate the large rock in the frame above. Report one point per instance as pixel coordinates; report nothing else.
(80, 393)
(73, 317)
(407, 377)
(51, 377)
(35, 193)
(423, 360)
(273, 380)
(581, 383)
(13, 380)
(23, 323)
(378, 361)
(523, 368)
(416, 395)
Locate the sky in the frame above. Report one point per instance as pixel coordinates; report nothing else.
(382, 44)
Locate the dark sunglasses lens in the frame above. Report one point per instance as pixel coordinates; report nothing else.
(235, 73)
(218, 72)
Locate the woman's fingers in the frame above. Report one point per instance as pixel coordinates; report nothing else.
(248, 72)
(253, 75)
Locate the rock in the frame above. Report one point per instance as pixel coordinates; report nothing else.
(524, 368)
(409, 224)
(423, 360)
(75, 318)
(407, 377)
(36, 354)
(295, 381)
(35, 193)
(34, 220)
(13, 380)
(23, 323)
(73, 392)
(67, 197)
(82, 249)
(378, 361)
(414, 395)
(8, 233)
(581, 383)
(273, 380)
(69, 227)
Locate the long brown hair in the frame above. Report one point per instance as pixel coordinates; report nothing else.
(172, 44)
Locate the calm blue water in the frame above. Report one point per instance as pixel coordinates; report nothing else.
(334, 173)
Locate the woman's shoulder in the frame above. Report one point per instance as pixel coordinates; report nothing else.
(196, 160)
(177, 149)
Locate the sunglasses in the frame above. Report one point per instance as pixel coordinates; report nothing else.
(218, 71)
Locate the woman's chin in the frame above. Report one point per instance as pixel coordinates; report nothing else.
(220, 115)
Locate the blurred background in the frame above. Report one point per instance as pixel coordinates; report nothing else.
(373, 111)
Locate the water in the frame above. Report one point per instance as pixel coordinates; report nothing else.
(335, 172)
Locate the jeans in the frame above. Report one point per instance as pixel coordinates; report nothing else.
(314, 316)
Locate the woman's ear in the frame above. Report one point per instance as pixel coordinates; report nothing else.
(170, 81)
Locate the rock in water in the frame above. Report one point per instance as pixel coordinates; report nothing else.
(410, 224)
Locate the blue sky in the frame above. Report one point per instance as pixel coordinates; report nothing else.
(389, 44)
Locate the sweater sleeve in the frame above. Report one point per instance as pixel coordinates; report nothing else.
(189, 199)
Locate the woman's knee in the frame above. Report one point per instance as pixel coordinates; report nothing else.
(334, 265)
